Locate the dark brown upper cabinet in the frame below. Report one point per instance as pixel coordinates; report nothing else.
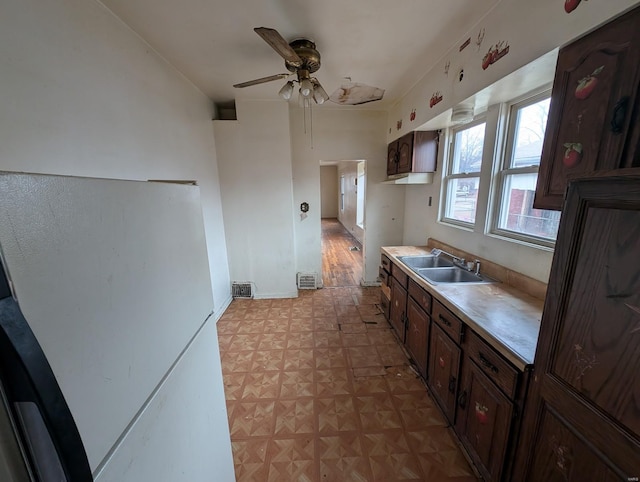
(594, 117)
(416, 151)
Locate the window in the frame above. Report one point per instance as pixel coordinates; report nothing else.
(517, 178)
(463, 175)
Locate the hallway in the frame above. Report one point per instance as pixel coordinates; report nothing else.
(341, 266)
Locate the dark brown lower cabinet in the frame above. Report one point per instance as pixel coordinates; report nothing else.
(444, 370)
(417, 335)
(582, 419)
(483, 421)
(397, 311)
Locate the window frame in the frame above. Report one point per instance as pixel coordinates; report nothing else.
(448, 175)
(503, 170)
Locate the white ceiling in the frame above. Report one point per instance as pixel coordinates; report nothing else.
(389, 44)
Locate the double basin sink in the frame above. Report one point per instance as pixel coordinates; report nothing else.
(437, 269)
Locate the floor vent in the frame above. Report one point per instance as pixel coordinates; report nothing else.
(242, 290)
(307, 281)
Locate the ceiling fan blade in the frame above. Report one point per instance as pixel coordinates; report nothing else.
(261, 80)
(279, 44)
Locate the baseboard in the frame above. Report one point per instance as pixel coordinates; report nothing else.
(217, 314)
(267, 296)
(370, 284)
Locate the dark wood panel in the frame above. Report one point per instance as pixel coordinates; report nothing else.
(420, 295)
(383, 274)
(385, 262)
(417, 335)
(385, 306)
(449, 322)
(598, 350)
(425, 147)
(398, 308)
(392, 158)
(400, 275)
(484, 421)
(405, 153)
(444, 370)
(597, 116)
(500, 371)
(589, 345)
(561, 456)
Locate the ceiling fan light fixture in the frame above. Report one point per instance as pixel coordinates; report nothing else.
(306, 88)
(319, 94)
(286, 91)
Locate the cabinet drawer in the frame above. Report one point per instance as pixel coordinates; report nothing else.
(385, 305)
(492, 364)
(400, 275)
(383, 274)
(385, 262)
(449, 322)
(420, 295)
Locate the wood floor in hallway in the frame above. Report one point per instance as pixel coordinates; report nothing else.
(341, 266)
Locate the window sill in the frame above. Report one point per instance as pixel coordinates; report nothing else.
(522, 242)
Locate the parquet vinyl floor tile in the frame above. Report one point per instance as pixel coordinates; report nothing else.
(319, 389)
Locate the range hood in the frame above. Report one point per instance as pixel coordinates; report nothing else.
(410, 178)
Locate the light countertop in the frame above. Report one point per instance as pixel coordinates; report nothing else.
(506, 318)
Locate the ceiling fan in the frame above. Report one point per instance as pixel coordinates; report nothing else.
(300, 58)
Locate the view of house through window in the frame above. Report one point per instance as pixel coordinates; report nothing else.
(519, 175)
(463, 175)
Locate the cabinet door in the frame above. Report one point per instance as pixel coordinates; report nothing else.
(398, 307)
(405, 153)
(586, 365)
(425, 151)
(417, 335)
(444, 370)
(561, 456)
(483, 421)
(594, 93)
(392, 158)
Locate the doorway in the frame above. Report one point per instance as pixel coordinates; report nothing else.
(342, 188)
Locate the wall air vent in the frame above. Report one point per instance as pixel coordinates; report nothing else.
(307, 281)
(242, 290)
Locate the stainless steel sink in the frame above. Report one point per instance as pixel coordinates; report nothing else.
(451, 275)
(419, 262)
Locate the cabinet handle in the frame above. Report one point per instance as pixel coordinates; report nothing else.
(619, 115)
(462, 400)
(444, 320)
(487, 364)
(452, 384)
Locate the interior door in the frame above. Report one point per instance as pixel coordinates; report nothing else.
(583, 420)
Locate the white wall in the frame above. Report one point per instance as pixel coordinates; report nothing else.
(254, 159)
(344, 133)
(347, 216)
(531, 29)
(80, 94)
(329, 191)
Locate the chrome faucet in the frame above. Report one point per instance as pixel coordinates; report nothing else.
(459, 262)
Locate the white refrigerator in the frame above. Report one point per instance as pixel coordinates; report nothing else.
(113, 279)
